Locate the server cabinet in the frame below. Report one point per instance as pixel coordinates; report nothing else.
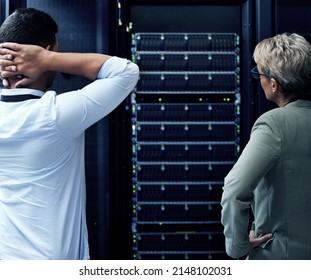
(184, 120)
(293, 16)
(185, 138)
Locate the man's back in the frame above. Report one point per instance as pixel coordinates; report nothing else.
(42, 194)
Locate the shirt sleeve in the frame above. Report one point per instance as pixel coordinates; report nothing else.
(75, 111)
(258, 157)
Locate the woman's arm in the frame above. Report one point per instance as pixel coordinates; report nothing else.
(258, 157)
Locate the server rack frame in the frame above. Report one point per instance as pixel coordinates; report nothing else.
(127, 27)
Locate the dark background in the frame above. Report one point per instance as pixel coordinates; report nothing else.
(105, 26)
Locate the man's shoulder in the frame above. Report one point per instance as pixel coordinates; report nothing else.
(49, 96)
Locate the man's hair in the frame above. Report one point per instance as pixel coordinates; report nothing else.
(287, 59)
(29, 26)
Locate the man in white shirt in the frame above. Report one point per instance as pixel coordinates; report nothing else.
(42, 180)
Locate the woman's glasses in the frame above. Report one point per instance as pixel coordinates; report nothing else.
(256, 74)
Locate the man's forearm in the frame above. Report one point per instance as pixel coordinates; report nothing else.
(82, 64)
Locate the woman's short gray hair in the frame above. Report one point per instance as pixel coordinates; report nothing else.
(287, 59)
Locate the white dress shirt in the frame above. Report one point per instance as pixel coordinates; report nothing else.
(42, 180)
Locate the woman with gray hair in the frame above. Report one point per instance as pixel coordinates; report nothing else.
(272, 177)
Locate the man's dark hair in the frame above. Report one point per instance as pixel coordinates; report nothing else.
(29, 26)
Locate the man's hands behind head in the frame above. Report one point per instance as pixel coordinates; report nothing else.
(23, 62)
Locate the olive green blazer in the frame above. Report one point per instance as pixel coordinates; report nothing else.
(273, 178)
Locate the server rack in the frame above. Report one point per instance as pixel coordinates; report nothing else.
(186, 122)
(291, 16)
(185, 139)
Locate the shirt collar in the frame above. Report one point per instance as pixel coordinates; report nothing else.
(22, 91)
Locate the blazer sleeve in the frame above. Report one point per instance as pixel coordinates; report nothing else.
(257, 158)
